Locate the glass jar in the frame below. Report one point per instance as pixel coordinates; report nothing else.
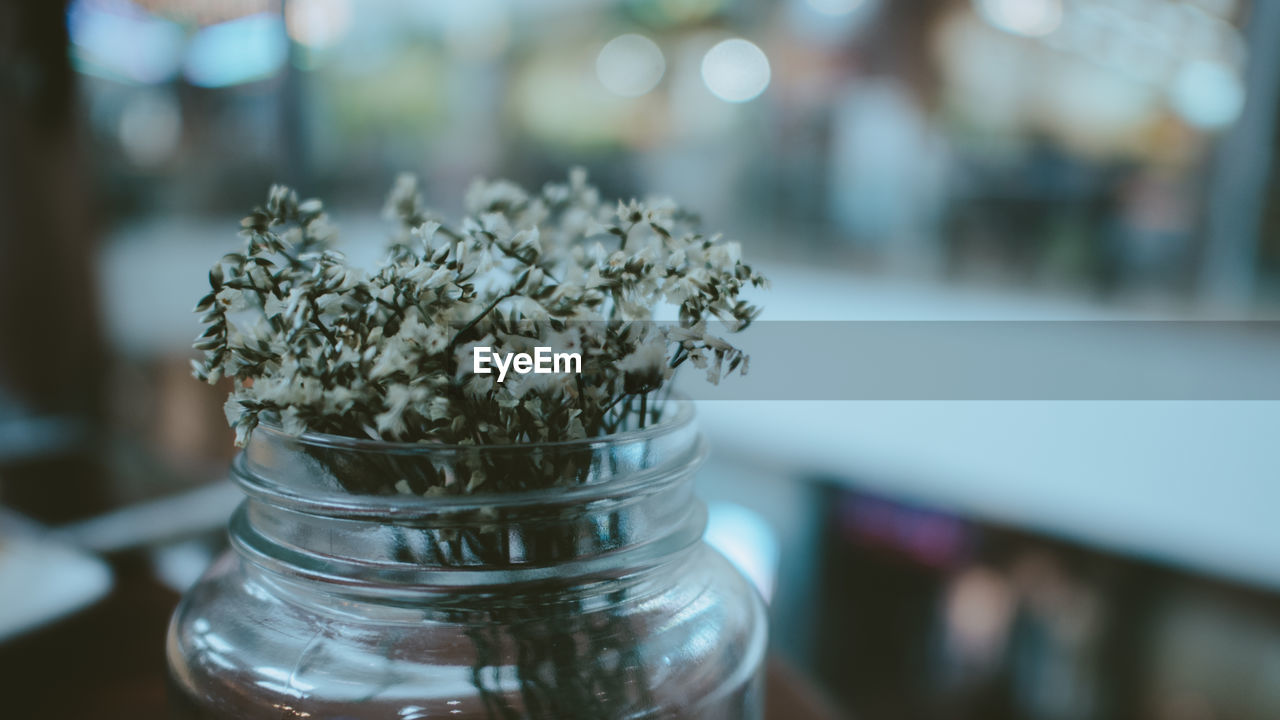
(570, 580)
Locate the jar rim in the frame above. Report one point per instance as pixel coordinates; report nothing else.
(407, 507)
(687, 452)
(683, 417)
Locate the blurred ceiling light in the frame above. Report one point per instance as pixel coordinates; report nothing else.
(1208, 94)
(835, 7)
(122, 42)
(1029, 18)
(735, 70)
(237, 51)
(630, 65)
(476, 29)
(150, 127)
(317, 23)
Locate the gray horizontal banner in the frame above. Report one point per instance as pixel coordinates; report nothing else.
(1000, 360)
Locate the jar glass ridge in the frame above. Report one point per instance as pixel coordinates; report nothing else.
(571, 581)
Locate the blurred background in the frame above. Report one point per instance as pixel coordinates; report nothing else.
(880, 159)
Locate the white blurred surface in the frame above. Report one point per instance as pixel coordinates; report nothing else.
(200, 510)
(42, 580)
(1192, 484)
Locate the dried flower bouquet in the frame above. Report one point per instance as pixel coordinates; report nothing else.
(316, 344)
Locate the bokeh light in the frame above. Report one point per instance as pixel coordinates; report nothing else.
(735, 70)
(630, 65)
(317, 23)
(237, 51)
(124, 43)
(1208, 94)
(1030, 18)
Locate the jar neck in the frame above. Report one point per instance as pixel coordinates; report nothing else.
(627, 516)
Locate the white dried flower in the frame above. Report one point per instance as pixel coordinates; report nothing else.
(483, 197)
(315, 344)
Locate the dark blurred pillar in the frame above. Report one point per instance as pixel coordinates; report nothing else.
(50, 348)
(1241, 167)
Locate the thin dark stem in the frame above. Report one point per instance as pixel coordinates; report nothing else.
(467, 328)
(516, 256)
(615, 401)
